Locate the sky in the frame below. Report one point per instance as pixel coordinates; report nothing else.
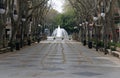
(58, 5)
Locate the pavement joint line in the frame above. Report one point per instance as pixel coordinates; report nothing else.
(43, 45)
(79, 62)
(88, 59)
(11, 53)
(46, 53)
(55, 52)
(63, 54)
(97, 53)
(45, 57)
(26, 62)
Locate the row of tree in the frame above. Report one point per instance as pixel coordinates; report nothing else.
(24, 17)
(87, 9)
(97, 21)
(100, 16)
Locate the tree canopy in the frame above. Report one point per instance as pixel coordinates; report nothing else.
(66, 19)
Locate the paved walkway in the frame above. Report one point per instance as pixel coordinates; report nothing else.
(58, 59)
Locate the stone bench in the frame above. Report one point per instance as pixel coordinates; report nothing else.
(109, 51)
(118, 49)
(101, 49)
(116, 54)
(3, 50)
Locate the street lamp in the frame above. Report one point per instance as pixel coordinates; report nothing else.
(104, 36)
(22, 36)
(103, 15)
(83, 23)
(95, 18)
(39, 25)
(75, 33)
(15, 15)
(84, 33)
(2, 8)
(86, 22)
(39, 31)
(23, 18)
(80, 25)
(81, 32)
(88, 34)
(75, 27)
(103, 11)
(15, 18)
(29, 32)
(2, 11)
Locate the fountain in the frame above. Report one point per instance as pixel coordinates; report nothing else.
(60, 33)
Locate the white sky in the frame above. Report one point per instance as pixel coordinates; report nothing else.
(58, 5)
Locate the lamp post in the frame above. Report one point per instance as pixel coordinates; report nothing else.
(81, 30)
(2, 8)
(84, 33)
(29, 33)
(39, 32)
(23, 18)
(15, 15)
(88, 34)
(75, 33)
(2, 11)
(104, 25)
(40, 26)
(95, 18)
(89, 39)
(15, 18)
(22, 29)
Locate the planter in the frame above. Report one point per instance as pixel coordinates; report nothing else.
(118, 49)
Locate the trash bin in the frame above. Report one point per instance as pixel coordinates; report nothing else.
(11, 46)
(38, 40)
(97, 47)
(17, 45)
(29, 42)
(84, 42)
(90, 44)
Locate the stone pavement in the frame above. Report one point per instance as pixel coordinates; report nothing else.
(58, 59)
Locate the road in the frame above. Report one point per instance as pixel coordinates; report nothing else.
(58, 59)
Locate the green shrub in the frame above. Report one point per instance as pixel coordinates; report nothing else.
(101, 43)
(93, 40)
(117, 44)
(113, 48)
(111, 44)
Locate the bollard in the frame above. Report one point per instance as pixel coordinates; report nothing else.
(29, 42)
(84, 42)
(17, 45)
(90, 44)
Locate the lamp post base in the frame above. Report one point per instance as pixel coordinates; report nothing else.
(17, 45)
(90, 44)
(84, 42)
